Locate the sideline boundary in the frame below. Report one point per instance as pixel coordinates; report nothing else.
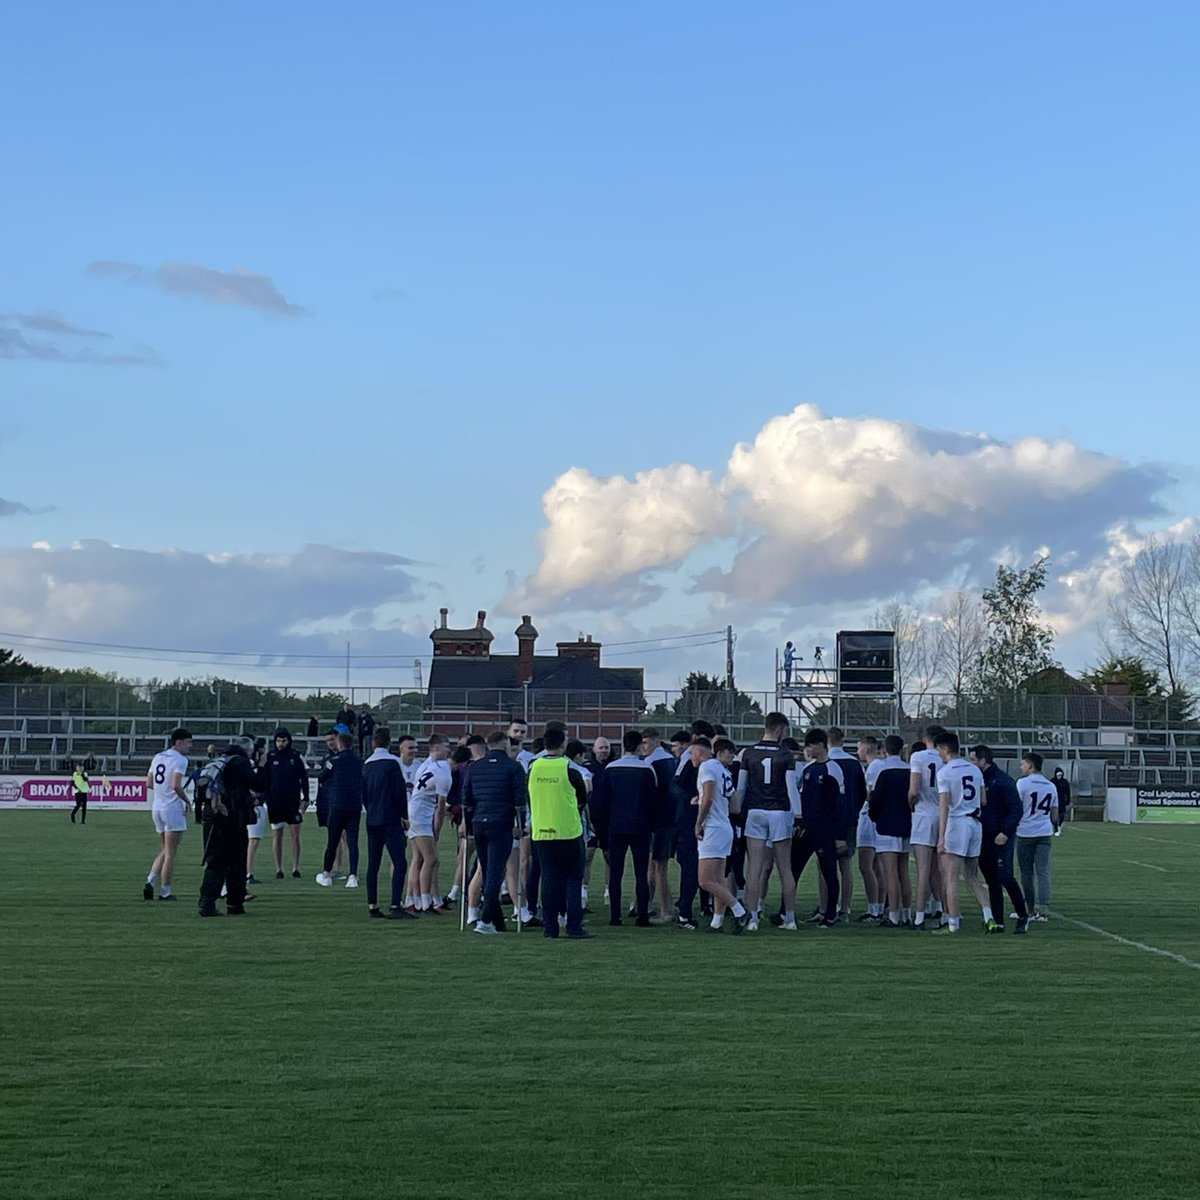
(1182, 960)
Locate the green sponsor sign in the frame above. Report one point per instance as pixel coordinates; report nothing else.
(1168, 804)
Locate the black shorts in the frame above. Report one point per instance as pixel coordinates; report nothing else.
(662, 847)
(284, 816)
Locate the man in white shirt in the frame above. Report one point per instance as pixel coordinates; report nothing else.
(169, 806)
(1039, 819)
(960, 833)
(923, 768)
(426, 812)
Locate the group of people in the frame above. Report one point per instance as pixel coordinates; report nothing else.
(530, 820)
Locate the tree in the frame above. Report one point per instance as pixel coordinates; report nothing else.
(1156, 704)
(705, 697)
(1016, 645)
(15, 669)
(916, 666)
(959, 640)
(1151, 614)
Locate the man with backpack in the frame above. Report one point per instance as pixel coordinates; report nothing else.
(229, 782)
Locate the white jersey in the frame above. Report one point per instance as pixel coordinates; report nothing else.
(873, 770)
(163, 769)
(925, 765)
(410, 774)
(717, 773)
(1038, 797)
(431, 781)
(525, 759)
(963, 783)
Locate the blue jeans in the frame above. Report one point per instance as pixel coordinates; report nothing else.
(562, 883)
(1033, 855)
(493, 844)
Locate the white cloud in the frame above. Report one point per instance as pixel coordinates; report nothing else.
(831, 509)
(274, 604)
(602, 535)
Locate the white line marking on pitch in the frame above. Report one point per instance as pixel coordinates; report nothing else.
(1161, 841)
(1116, 937)
(1133, 862)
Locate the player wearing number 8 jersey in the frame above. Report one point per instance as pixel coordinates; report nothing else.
(1039, 817)
(169, 807)
(961, 799)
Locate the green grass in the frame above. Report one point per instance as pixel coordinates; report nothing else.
(305, 1051)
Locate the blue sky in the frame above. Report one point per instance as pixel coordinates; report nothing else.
(537, 237)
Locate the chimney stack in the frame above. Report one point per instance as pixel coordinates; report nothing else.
(584, 648)
(526, 639)
(445, 615)
(480, 617)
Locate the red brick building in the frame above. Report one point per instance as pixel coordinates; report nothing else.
(471, 688)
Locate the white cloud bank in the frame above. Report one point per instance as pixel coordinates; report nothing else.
(830, 509)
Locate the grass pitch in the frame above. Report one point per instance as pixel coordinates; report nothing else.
(306, 1051)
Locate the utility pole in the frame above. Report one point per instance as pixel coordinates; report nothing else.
(347, 672)
(729, 658)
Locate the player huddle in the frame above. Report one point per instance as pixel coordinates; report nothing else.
(532, 822)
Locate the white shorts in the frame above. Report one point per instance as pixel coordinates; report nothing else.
(170, 817)
(964, 837)
(925, 828)
(259, 828)
(890, 845)
(420, 820)
(769, 826)
(717, 841)
(866, 831)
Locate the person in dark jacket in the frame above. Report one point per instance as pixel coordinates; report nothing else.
(494, 792)
(324, 770)
(366, 730)
(283, 779)
(1062, 785)
(822, 815)
(1000, 816)
(624, 799)
(344, 790)
(346, 717)
(385, 797)
(887, 781)
(225, 837)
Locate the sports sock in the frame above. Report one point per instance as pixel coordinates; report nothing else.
(455, 892)
(875, 909)
(165, 890)
(472, 915)
(718, 920)
(955, 922)
(987, 914)
(410, 901)
(151, 879)
(893, 916)
(426, 900)
(906, 913)
(739, 909)
(919, 919)
(789, 916)
(526, 916)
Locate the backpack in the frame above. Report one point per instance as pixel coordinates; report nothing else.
(212, 781)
